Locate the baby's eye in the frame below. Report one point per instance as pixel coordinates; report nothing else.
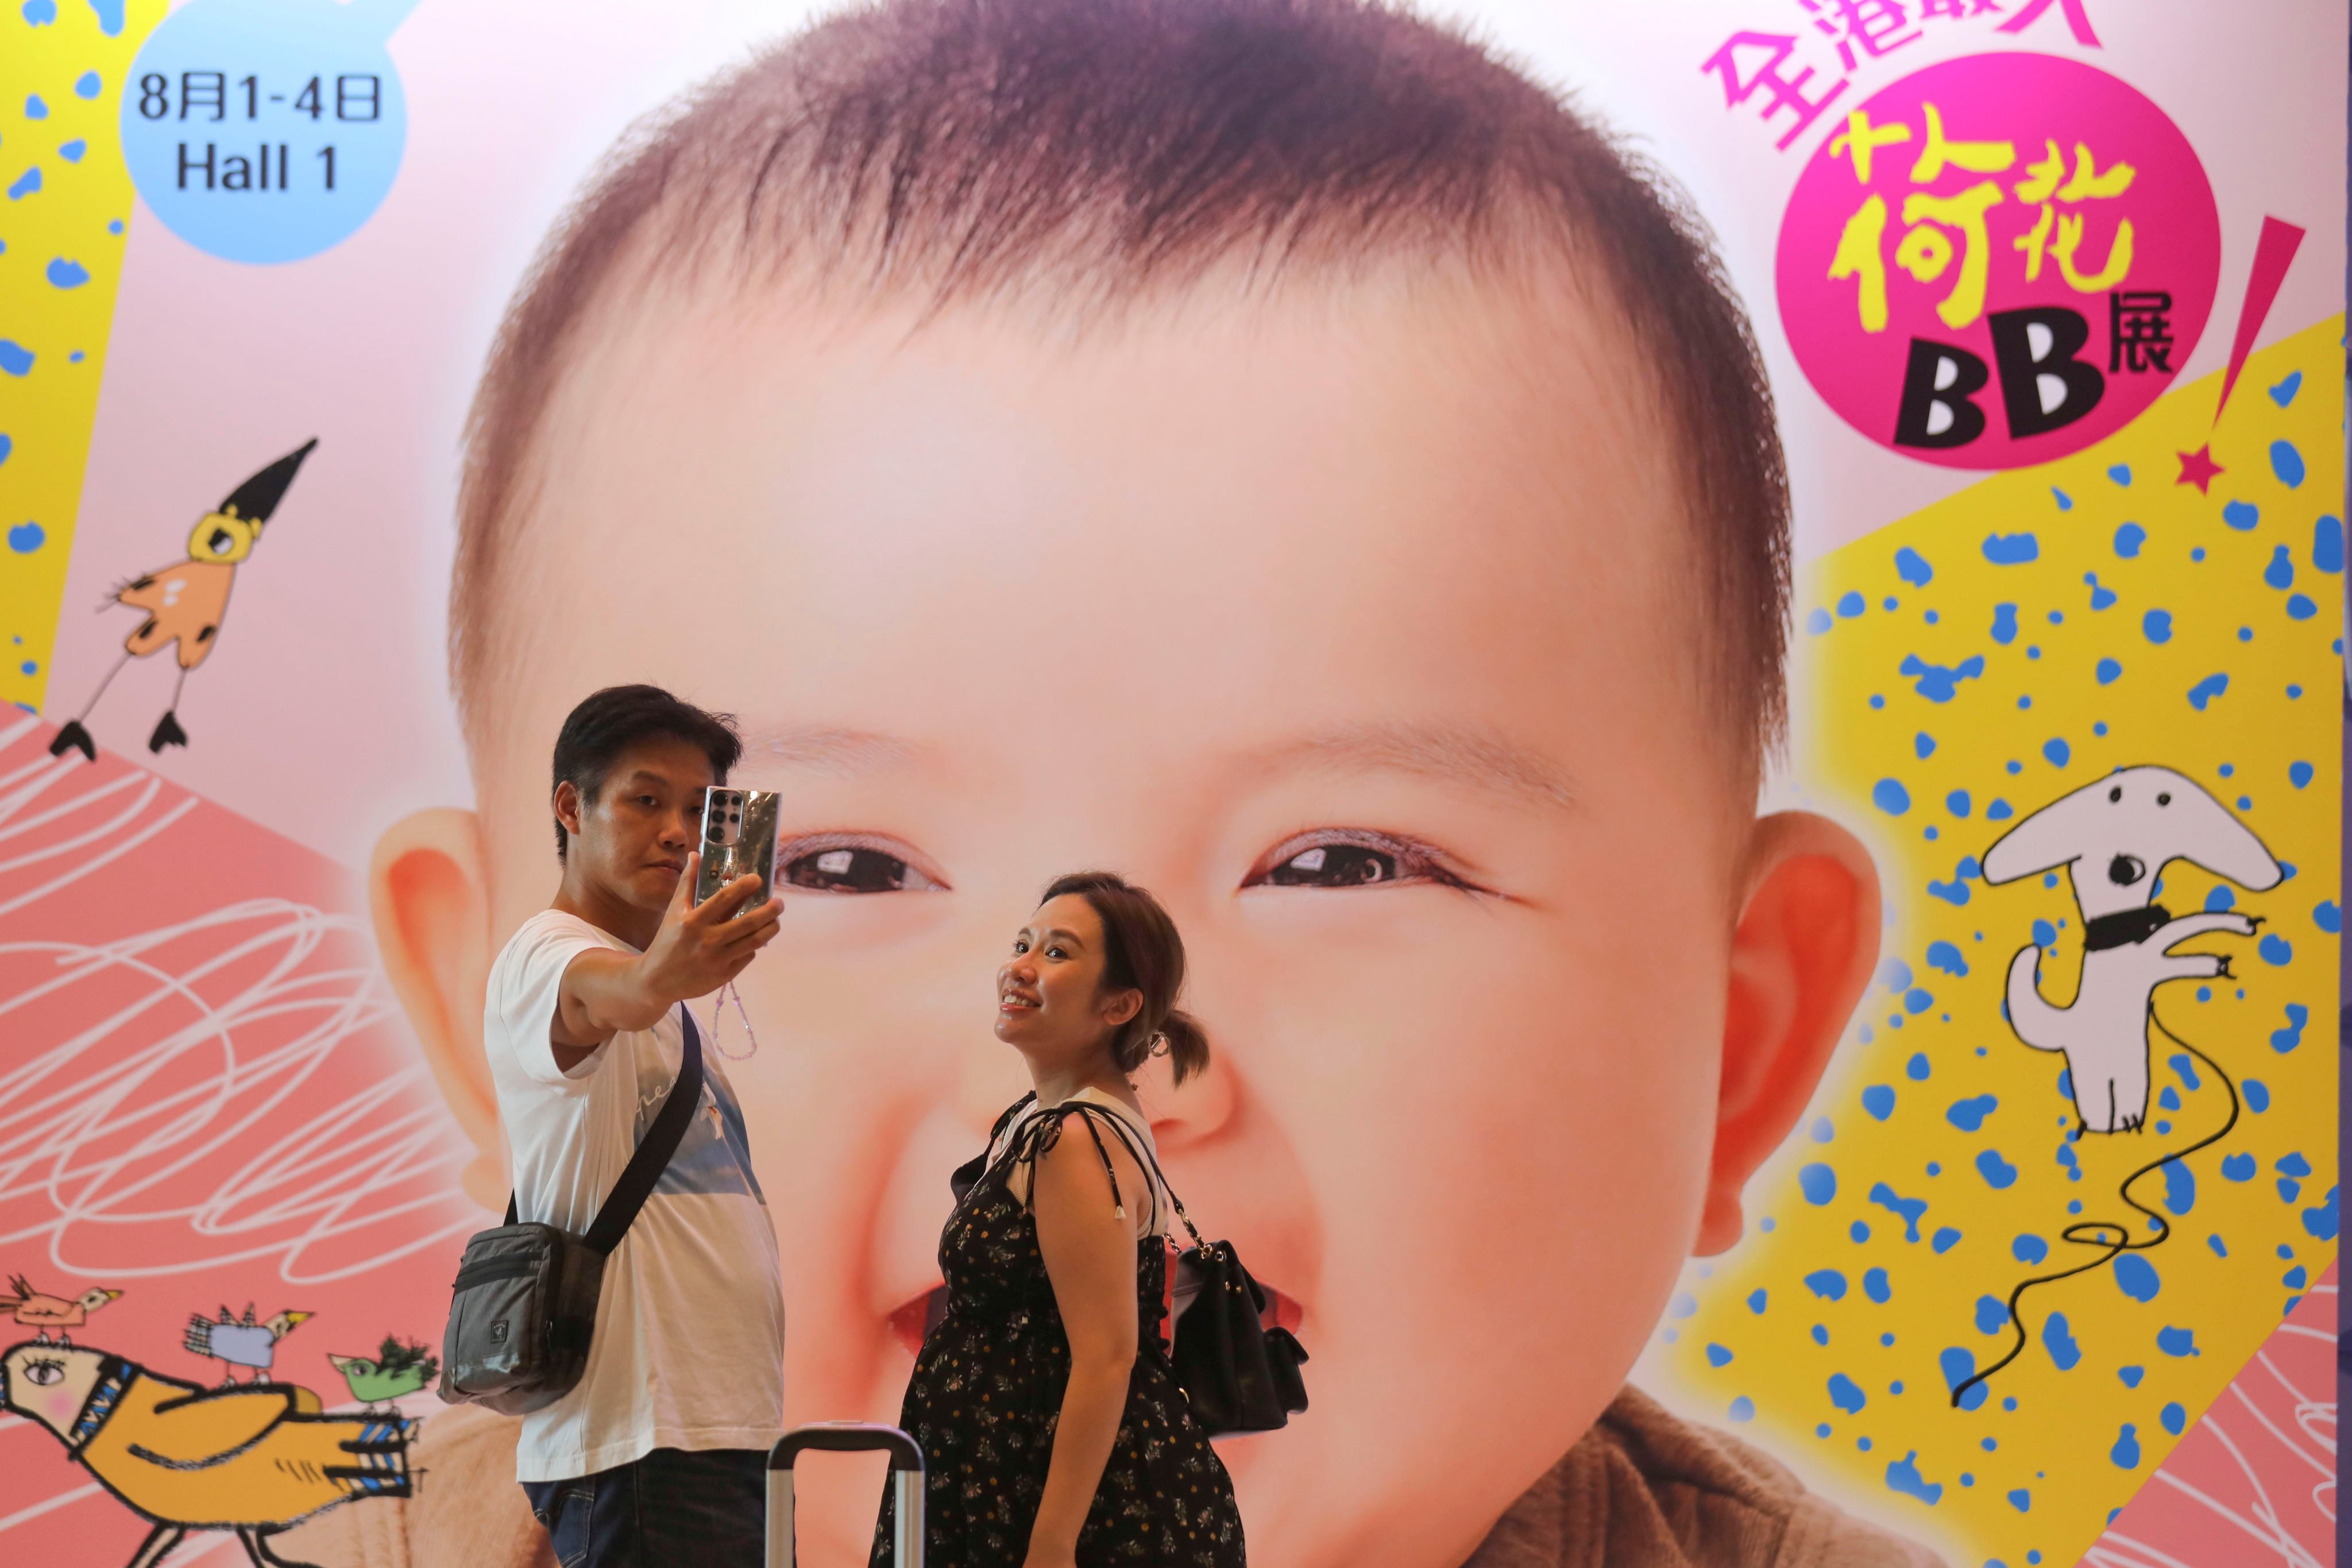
(1350, 859)
(855, 869)
(1335, 866)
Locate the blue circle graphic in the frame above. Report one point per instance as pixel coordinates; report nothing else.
(265, 130)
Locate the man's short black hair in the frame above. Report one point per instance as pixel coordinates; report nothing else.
(607, 723)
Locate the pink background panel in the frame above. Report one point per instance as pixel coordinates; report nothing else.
(207, 1099)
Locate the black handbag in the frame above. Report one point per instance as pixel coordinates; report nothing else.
(1237, 1374)
(523, 1305)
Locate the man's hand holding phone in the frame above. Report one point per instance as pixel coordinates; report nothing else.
(701, 947)
(698, 949)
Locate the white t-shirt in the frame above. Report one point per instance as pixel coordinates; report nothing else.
(690, 1342)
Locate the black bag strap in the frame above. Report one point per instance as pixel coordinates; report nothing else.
(1143, 1156)
(653, 1154)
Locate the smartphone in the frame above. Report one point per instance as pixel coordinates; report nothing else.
(739, 837)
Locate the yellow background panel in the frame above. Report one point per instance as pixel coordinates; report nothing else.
(65, 213)
(1954, 686)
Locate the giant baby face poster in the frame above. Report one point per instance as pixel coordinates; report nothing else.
(1758, 837)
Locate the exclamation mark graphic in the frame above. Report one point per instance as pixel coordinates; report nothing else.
(2272, 253)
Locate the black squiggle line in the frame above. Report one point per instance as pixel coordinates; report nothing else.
(2096, 1233)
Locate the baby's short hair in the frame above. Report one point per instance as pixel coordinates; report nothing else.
(955, 152)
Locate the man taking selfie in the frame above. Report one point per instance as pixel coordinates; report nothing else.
(658, 1454)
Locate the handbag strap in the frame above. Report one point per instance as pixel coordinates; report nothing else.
(1143, 1156)
(653, 1154)
(1014, 1152)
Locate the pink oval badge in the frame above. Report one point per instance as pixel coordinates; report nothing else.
(1998, 260)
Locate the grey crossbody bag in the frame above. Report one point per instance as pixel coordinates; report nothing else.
(524, 1302)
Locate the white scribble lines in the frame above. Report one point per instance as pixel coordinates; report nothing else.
(2263, 1523)
(2118, 1550)
(2289, 1444)
(48, 1505)
(206, 1088)
(104, 833)
(191, 1079)
(2248, 1481)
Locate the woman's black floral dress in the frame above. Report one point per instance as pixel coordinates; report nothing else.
(987, 1392)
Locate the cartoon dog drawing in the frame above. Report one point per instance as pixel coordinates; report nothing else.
(2114, 837)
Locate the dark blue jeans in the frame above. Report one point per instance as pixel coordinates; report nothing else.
(707, 1509)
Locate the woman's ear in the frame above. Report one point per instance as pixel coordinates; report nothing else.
(1801, 956)
(1122, 1007)
(429, 897)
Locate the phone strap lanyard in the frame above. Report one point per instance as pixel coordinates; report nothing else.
(717, 1024)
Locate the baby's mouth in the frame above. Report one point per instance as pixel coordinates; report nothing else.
(913, 1320)
(910, 1324)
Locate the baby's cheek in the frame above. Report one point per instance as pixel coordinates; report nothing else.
(1600, 1198)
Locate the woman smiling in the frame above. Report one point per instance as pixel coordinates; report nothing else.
(1056, 1433)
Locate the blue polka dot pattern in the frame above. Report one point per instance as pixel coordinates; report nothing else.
(1957, 1169)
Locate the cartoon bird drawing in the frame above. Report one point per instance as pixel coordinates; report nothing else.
(2114, 837)
(34, 1310)
(255, 1461)
(397, 1370)
(240, 1341)
(183, 603)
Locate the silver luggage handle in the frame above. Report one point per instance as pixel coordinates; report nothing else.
(848, 1437)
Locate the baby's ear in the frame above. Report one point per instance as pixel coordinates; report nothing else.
(1801, 956)
(429, 896)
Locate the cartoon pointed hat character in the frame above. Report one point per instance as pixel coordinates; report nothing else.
(254, 499)
(184, 604)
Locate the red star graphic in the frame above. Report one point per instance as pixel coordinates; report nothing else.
(2199, 468)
